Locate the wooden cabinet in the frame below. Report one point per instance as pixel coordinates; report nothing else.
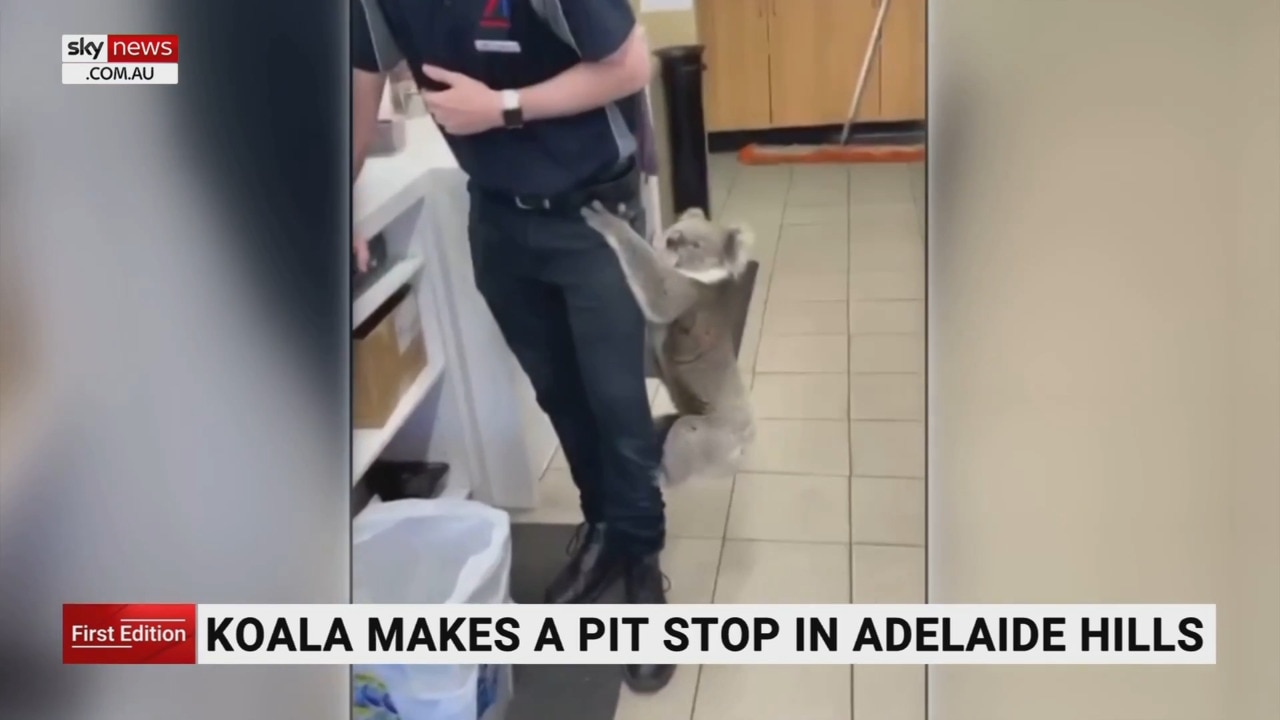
(814, 56)
(794, 63)
(736, 84)
(902, 62)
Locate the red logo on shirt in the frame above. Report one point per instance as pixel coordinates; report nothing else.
(497, 14)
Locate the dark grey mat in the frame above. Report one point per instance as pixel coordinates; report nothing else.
(554, 692)
(738, 302)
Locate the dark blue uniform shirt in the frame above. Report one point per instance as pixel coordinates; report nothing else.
(511, 44)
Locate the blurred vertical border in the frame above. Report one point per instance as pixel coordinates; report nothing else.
(174, 344)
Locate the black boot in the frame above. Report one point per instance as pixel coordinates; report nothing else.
(646, 585)
(592, 569)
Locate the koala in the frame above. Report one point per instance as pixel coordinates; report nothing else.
(677, 282)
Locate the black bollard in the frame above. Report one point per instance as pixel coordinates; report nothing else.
(682, 70)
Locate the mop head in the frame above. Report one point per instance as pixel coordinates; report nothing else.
(819, 154)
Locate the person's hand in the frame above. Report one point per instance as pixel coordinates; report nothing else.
(360, 247)
(466, 107)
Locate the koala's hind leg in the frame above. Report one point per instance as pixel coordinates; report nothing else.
(698, 446)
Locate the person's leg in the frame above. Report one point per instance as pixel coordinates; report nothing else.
(609, 338)
(534, 321)
(609, 341)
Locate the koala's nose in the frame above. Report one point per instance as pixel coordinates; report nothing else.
(676, 241)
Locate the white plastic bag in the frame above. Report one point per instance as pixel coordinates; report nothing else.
(431, 551)
(424, 552)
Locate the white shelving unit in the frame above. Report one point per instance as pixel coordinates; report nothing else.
(472, 408)
(400, 274)
(389, 198)
(367, 445)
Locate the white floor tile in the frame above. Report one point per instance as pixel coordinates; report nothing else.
(827, 191)
(662, 404)
(794, 396)
(876, 255)
(887, 285)
(774, 692)
(789, 317)
(885, 221)
(836, 215)
(815, 286)
(799, 447)
(816, 234)
(698, 508)
(558, 500)
(758, 572)
(821, 254)
(889, 692)
(795, 508)
(691, 565)
(867, 180)
(886, 316)
(886, 354)
(820, 176)
(803, 353)
(888, 511)
(760, 215)
(888, 449)
(887, 396)
(888, 574)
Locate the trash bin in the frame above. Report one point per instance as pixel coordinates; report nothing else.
(681, 71)
(424, 552)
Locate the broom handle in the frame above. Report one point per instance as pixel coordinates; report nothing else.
(867, 61)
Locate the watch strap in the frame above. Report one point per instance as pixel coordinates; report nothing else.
(512, 113)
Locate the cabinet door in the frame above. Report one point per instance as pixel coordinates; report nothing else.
(815, 54)
(736, 84)
(902, 61)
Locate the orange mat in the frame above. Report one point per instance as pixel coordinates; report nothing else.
(816, 154)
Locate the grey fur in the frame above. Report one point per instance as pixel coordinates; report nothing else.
(678, 284)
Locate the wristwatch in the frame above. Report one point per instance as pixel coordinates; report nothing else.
(512, 114)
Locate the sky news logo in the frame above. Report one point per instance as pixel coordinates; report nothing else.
(119, 59)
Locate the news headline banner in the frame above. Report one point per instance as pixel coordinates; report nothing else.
(680, 634)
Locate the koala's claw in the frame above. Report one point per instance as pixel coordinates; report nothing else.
(603, 221)
(594, 211)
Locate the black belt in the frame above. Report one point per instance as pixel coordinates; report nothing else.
(619, 185)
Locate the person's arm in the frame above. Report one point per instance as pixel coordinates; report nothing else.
(619, 71)
(373, 54)
(615, 59)
(615, 65)
(366, 96)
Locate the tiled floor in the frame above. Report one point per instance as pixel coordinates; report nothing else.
(830, 505)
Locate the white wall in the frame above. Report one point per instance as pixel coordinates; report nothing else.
(1105, 338)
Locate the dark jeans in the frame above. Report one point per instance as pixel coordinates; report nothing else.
(560, 299)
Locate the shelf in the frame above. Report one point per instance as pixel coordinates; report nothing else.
(400, 274)
(387, 187)
(367, 445)
(390, 185)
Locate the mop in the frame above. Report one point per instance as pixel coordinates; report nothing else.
(842, 152)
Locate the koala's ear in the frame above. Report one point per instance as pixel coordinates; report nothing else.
(737, 249)
(693, 214)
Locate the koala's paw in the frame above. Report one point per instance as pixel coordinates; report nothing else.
(604, 222)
